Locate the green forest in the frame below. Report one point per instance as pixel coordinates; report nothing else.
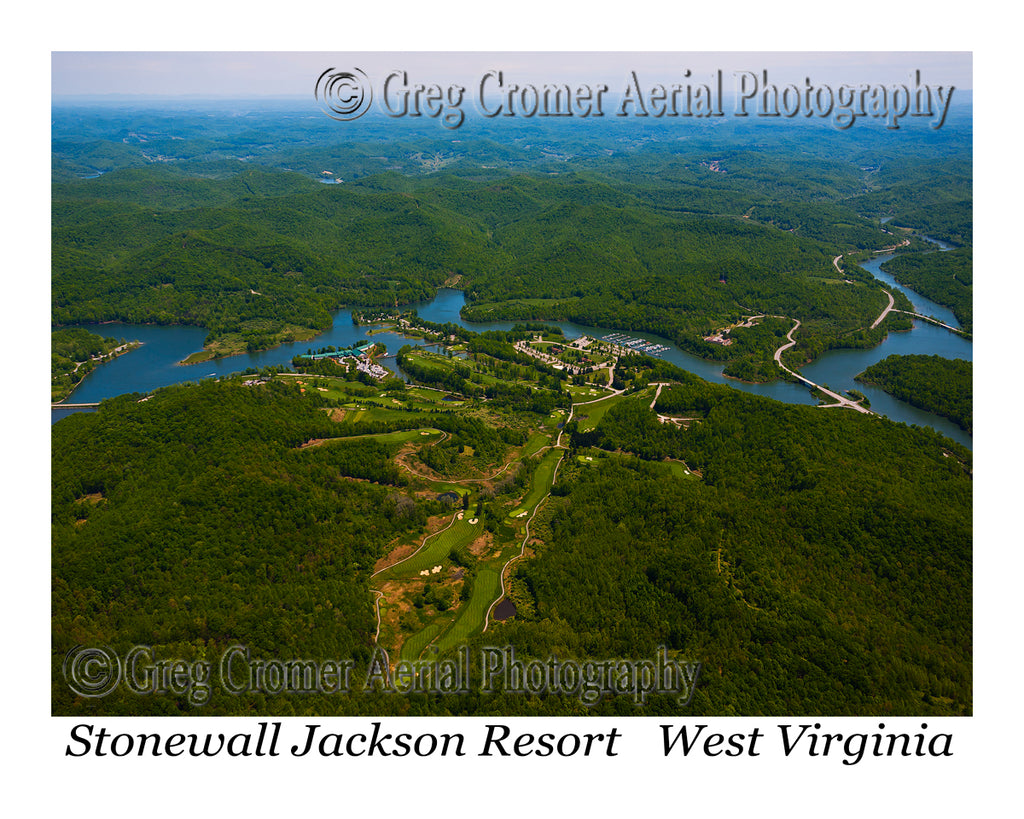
(271, 267)
(677, 239)
(74, 353)
(812, 561)
(945, 278)
(940, 385)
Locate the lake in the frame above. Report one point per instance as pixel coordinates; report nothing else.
(155, 363)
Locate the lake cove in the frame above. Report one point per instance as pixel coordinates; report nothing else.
(157, 362)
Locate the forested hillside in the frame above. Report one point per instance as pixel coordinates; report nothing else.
(813, 561)
(940, 385)
(626, 232)
(946, 278)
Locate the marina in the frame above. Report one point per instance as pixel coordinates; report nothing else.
(155, 363)
(637, 345)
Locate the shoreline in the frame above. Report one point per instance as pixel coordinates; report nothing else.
(211, 353)
(117, 352)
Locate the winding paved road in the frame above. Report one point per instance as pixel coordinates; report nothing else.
(840, 401)
(885, 312)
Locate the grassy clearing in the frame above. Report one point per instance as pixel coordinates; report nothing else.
(437, 549)
(586, 392)
(357, 414)
(443, 486)
(535, 444)
(425, 395)
(413, 647)
(423, 435)
(487, 378)
(431, 360)
(676, 469)
(273, 332)
(541, 485)
(201, 356)
(336, 394)
(486, 588)
(594, 412)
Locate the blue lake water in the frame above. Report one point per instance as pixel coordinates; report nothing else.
(156, 363)
(837, 368)
(920, 303)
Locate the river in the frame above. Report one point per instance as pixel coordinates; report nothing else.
(155, 363)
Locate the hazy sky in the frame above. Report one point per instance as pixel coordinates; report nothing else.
(293, 74)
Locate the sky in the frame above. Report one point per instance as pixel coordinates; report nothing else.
(248, 74)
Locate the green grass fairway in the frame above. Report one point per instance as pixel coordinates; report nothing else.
(594, 412)
(437, 549)
(426, 396)
(442, 486)
(423, 434)
(673, 468)
(431, 360)
(537, 442)
(586, 392)
(541, 485)
(486, 588)
(413, 647)
(337, 389)
(380, 414)
(676, 469)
